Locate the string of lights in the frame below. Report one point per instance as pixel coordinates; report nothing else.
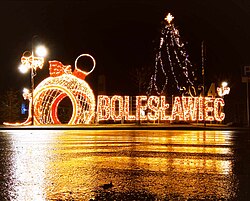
(173, 71)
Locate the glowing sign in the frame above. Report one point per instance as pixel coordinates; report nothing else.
(64, 83)
(184, 108)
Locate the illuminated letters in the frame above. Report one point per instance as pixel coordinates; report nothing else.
(218, 105)
(164, 107)
(153, 108)
(140, 107)
(103, 108)
(177, 109)
(119, 100)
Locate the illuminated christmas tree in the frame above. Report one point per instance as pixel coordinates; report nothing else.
(173, 73)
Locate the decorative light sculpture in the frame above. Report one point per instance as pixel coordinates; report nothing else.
(223, 90)
(51, 91)
(173, 71)
(153, 108)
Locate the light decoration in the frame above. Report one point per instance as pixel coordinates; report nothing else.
(117, 116)
(201, 108)
(128, 116)
(51, 91)
(26, 94)
(169, 18)
(177, 109)
(173, 71)
(152, 108)
(103, 108)
(223, 90)
(218, 105)
(141, 106)
(163, 109)
(29, 61)
(209, 107)
(190, 107)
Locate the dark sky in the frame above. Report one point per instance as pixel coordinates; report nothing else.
(122, 35)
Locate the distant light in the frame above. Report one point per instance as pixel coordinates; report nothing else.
(224, 84)
(23, 68)
(41, 51)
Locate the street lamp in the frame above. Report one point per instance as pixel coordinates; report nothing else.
(31, 61)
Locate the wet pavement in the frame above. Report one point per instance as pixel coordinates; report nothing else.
(142, 165)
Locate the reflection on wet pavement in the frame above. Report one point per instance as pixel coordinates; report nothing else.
(142, 165)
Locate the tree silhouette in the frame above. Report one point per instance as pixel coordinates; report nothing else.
(10, 106)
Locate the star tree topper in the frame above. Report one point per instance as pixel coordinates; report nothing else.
(169, 18)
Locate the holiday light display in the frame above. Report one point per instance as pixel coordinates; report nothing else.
(223, 90)
(173, 73)
(64, 83)
(153, 105)
(164, 107)
(127, 110)
(152, 108)
(117, 116)
(29, 61)
(51, 91)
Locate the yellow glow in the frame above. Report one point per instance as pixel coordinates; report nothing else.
(114, 115)
(141, 105)
(103, 108)
(177, 109)
(154, 108)
(128, 110)
(222, 91)
(52, 90)
(66, 165)
(41, 51)
(164, 107)
(169, 18)
(29, 164)
(23, 68)
(79, 92)
(224, 84)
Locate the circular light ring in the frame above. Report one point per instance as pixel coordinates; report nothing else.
(88, 55)
(43, 114)
(50, 92)
(55, 105)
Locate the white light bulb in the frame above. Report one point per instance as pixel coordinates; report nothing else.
(41, 51)
(25, 90)
(23, 68)
(224, 84)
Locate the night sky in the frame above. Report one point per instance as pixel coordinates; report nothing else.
(123, 35)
